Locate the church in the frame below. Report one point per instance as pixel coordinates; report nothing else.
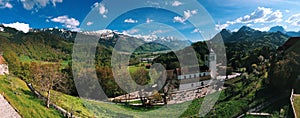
(194, 77)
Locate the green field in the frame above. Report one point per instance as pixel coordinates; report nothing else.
(26, 59)
(7, 35)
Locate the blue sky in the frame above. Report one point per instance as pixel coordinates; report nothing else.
(179, 18)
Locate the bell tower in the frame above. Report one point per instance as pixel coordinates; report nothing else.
(211, 62)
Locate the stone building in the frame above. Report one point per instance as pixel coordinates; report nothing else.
(3, 66)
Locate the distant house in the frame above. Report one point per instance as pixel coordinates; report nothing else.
(3, 66)
(148, 66)
(1, 29)
(147, 60)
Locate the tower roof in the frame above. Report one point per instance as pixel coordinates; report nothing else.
(211, 51)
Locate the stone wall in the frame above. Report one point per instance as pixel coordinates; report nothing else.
(4, 69)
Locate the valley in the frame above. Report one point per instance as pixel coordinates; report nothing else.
(249, 52)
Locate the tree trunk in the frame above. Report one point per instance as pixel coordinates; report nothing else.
(48, 98)
(126, 100)
(165, 98)
(142, 100)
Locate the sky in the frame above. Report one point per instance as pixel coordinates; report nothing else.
(185, 19)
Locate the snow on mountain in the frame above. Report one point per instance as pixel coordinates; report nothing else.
(106, 33)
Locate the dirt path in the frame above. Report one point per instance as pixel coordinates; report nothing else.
(7, 111)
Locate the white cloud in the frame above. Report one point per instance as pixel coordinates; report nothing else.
(263, 29)
(8, 5)
(260, 15)
(130, 32)
(149, 20)
(156, 32)
(194, 11)
(76, 29)
(186, 15)
(196, 30)
(19, 26)
(179, 19)
(220, 27)
(249, 25)
(235, 30)
(176, 3)
(287, 11)
(70, 23)
(274, 17)
(56, 1)
(130, 20)
(153, 3)
(5, 4)
(47, 20)
(102, 9)
(294, 20)
(30, 4)
(89, 23)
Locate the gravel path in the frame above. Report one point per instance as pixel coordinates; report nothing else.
(7, 111)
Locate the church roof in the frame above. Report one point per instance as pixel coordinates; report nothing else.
(289, 43)
(2, 60)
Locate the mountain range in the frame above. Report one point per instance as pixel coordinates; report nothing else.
(242, 47)
(248, 35)
(111, 37)
(282, 30)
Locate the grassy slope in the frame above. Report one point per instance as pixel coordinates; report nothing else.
(21, 98)
(30, 106)
(297, 104)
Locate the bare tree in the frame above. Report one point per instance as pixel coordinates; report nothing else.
(166, 91)
(47, 77)
(141, 77)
